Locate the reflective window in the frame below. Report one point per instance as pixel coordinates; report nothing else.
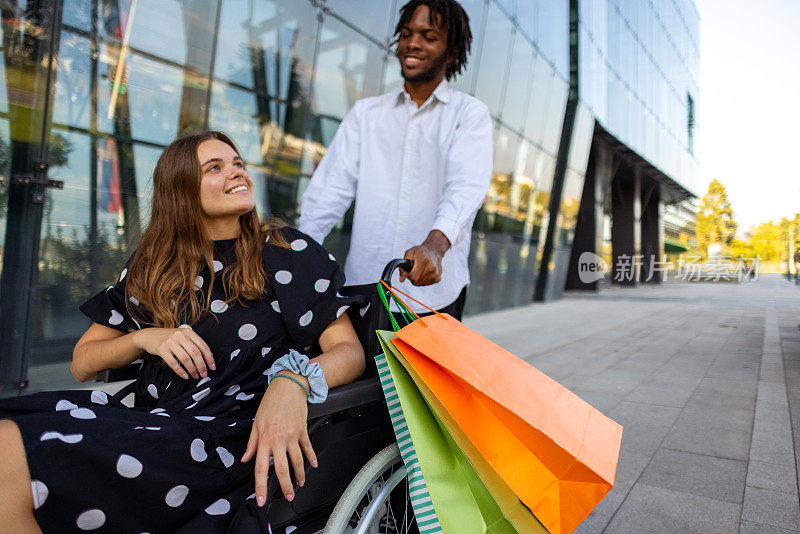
(475, 12)
(348, 68)
(519, 80)
(494, 59)
(556, 105)
(539, 99)
(73, 81)
(370, 17)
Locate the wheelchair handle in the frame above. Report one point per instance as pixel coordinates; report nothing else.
(399, 263)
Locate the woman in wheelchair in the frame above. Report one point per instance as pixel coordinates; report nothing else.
(225, 315)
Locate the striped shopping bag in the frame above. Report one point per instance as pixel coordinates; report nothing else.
(427, 520)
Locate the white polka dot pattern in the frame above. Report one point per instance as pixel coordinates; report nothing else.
(225, 456)
(116, 318)
(283, 277)
(198, 282)
(198, 450)
(248, 331)
(66, 438)
(217, 266)
(176, 496)
(99, 397)
(65, 405)
(299, 244)
(220, 507)
(91, 519)
(321, 285)
(40, 493)
(218, 306)
(82, 413)
(128, 466)
(306, 318)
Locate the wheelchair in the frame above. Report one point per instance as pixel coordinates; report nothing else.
(360, 485)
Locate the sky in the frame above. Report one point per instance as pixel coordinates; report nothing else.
(748, 113)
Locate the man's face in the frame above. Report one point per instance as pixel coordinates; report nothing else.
(422, 48)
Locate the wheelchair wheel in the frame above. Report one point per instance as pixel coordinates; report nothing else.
(376, 501)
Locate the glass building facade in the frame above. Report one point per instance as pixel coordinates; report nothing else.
(92, 90)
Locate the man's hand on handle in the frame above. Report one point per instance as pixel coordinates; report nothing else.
(427, 258)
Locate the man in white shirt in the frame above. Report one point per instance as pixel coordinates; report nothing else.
(418, 163)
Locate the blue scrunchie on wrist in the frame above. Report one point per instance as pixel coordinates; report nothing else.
(298, 363)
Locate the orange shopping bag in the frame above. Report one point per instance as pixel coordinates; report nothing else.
(556, 452)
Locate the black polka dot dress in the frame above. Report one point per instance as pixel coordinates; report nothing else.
(172, 463)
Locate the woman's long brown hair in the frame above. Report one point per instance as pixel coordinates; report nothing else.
(175, 247)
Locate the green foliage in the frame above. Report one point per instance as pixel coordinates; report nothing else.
(715, 220)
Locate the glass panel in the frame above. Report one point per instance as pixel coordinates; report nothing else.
(348, 68)
(552, 34)
(370, 17)
(154, 99)
(510, 6)
(494, 59)
(581, 140)
(72, 103)
(519, 80)
(503, 251)
(555, 114)
(276, 37)
(77, 13)
(474, 10)
(162, 27)
(233, 110)
(64, 280)
(536, 117)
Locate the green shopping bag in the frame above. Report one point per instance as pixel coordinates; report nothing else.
(460, 499)
(512, 508)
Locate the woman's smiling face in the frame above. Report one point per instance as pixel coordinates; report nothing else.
(226, 189)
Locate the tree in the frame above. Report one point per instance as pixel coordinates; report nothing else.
(715, 222)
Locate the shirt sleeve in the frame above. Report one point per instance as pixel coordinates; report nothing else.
(469, 171)
(333, 185)
(306, 281)
(109, 307)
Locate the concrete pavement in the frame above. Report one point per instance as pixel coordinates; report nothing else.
(705, 378)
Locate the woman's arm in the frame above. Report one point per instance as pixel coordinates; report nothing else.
(280, 426)
(105, 348)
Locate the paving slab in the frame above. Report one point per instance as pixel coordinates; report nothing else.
(698, 474)
(648, 509)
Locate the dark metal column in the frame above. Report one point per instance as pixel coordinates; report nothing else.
(626, 205)
(30, 43)
(652, 232)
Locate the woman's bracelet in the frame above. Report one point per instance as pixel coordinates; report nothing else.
(296, 381)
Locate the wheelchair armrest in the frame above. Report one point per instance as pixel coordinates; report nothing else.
(128, 372)
(350, 395)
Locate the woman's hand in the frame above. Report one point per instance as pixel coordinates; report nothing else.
(280, 430)
(181, 348)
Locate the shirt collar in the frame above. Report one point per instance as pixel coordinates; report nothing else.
(441, 93)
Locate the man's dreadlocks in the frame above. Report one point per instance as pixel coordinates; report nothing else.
(454, 19)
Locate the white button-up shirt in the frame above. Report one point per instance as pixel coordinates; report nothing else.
(410, 170)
